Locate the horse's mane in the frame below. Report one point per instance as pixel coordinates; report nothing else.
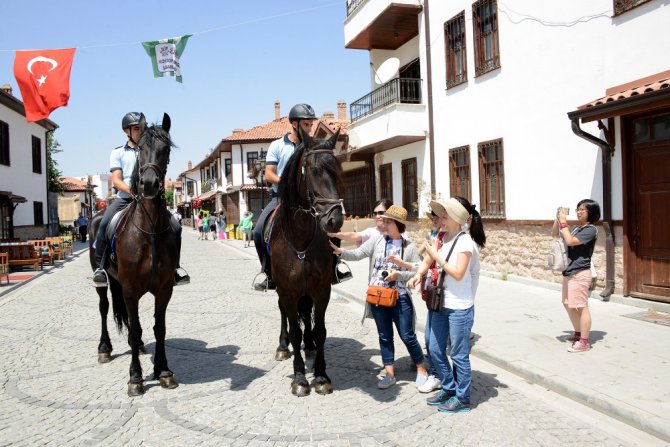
(289, 188)
(152, 132)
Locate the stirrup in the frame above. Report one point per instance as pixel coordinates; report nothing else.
(342, 275)
(99, 284)
(253, 281)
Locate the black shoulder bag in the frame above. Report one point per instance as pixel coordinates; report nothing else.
(435, 294)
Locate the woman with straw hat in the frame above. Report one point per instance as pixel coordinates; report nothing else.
(458, 260)
(384, 272)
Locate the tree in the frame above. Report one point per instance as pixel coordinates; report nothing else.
(52, 165)
(169, 198)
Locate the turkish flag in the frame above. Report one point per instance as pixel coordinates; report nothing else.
(44, 80)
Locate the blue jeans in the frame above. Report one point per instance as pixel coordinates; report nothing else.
(259, 243)
(402, 315)
(455, 325)
(432, 371)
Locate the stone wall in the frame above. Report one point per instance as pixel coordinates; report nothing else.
(28, 232)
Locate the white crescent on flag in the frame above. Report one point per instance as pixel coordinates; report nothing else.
(42, 78)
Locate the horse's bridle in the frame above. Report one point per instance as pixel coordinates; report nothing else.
(312, 199)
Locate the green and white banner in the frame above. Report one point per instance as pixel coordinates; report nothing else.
(165, 54)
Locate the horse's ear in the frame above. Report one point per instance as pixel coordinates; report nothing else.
(332, 141)
(167, 122)
(304, 137)
(142, 123)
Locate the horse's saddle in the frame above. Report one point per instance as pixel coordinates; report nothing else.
(117, 220)
(267, 229)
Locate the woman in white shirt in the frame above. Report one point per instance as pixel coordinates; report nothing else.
(454, 321)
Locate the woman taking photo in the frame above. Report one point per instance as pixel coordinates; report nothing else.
(458, 260)
(383, 272)
(577, 276)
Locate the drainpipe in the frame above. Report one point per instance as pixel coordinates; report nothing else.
(606, 151)
(429, 86)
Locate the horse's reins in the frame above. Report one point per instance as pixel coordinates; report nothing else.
(312, 200)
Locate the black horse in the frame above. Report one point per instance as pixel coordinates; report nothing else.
(302, 259)
(146, 257)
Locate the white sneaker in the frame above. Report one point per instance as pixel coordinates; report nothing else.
(431, 384)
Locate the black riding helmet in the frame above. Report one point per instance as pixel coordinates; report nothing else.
(130, 119)
(301, 112)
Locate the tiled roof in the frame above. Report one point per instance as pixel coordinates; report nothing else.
(72, 184)
(279, 127)
(649, 84)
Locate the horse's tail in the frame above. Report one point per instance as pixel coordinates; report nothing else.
(119, 308)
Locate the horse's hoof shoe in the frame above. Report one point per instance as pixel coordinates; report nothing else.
(281, 355)
(323, 388)
(104, 357)
(135, 389)
(300, 390)
(168, 382)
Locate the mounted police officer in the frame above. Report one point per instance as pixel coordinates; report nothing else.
(121, 164)
(279, 152)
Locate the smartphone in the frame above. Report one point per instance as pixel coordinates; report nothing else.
(566, 210)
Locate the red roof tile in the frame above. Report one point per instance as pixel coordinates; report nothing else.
(639, 87)
(72, 184)
(279, 127)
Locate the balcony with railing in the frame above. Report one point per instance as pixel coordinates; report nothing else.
(398, 90)
(381, 24)
(390, 116)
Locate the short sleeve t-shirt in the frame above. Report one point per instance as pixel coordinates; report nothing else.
(458, 294)
(278, 154)
(123, 158)
(381, 263)
(580, 255)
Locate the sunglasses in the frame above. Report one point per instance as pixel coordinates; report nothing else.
(378, 213)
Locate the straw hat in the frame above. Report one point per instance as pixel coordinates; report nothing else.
(397, 213)
(452, 207)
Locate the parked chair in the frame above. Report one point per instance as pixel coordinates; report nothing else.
(44, 250)
(24, 254)
(57, 246)
(4, 267)
(67, 245)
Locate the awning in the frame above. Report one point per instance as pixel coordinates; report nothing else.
(652, 92)
(206, 196)
(12, 197)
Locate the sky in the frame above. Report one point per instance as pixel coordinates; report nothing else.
(242, 57)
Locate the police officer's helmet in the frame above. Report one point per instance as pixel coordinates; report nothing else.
(130, 119)
(301, 112)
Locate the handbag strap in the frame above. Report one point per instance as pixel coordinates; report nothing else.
(442, 273)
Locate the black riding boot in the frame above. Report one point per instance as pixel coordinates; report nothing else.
(267, 283)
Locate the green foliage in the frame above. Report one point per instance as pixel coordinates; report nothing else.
(169, 197)
(53, 173)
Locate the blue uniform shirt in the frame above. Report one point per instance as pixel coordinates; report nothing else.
(279, 152)
(123, 158)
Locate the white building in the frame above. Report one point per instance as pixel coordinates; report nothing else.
(24, 202)
(490, 122)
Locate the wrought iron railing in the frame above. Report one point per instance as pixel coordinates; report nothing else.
(398, 90)
(353, 4)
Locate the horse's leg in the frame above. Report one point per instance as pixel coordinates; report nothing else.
(282, 352)
(117, 293)
(136, 382)
(105, 346)
(161, 371)
(305, 308)
(299, 386)
(322, 383)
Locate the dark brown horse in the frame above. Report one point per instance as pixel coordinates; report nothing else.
(146, 256)
(302, 260)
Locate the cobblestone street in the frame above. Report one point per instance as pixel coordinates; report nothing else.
(221, 338)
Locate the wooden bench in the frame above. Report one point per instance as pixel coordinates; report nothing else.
(23, 254)
(67, 245)
(44, 250)
(4, 267)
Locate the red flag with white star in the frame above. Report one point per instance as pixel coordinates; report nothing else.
(44, 80)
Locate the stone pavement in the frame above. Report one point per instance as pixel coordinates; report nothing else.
(521, 326)
(221, 337)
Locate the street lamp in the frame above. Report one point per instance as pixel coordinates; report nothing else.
(260, 177)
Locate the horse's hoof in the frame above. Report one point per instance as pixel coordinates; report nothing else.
(135, 389)
(323, 388)
(282, 354)
(300, 389)
(104, 357)
(168, 382)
